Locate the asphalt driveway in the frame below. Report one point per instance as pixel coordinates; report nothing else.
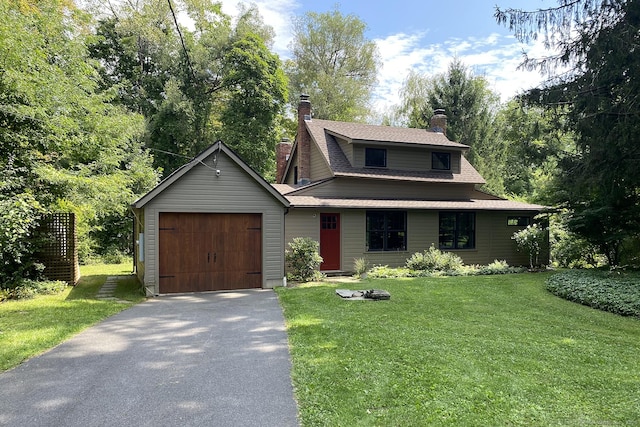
(213, 359)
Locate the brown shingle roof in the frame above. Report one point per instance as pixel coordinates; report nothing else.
(322, 132)
(354, 132)
(472, 204)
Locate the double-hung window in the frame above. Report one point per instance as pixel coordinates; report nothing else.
(457, 230)
(386, 230)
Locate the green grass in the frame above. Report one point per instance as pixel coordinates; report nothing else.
(460, 351)
(29, 327)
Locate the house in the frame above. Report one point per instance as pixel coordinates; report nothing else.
(213, 224)
(382, 193)
(362, 191)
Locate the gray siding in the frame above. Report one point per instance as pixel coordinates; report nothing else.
(494, 242)
(347, 149)
(234, 191)
(406, 158)
(493, 236)
(289, 179)
(376, 189)
(319, 168)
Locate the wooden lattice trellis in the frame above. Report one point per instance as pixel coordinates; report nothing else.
(59, 247)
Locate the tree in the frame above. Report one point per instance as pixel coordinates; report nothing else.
(256, 84)
(599, 42)
(470, 108)
(533, 141)
(63, 144)
(195, 85)
(531, 239)
(334, 64)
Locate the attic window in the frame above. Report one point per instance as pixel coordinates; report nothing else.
(375, 157)
(441, 161)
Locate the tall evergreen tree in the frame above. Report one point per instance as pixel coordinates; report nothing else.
(599, 42)
(470, 107)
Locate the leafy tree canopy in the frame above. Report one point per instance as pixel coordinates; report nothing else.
(213, 80)
(334, 64)
(63, 144)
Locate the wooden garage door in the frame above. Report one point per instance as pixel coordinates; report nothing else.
(209, 252)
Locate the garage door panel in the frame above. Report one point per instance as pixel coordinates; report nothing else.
(208, 252)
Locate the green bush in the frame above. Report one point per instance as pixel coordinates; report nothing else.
(571, 251)
(30, 288)
(360, 266)
(496, 267)
(434, 259)
(303, 260)
(114, 256)
(614, 291)
(386, 272)
(631, 252)
(18, 219)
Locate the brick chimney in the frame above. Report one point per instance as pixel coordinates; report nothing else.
(439, 121)
(283, 151)
(304, 141)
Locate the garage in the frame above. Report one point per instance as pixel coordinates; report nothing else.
(209, 252)
(212, 225)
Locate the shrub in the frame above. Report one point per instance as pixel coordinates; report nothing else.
(497, 267)
(531, 240)
(29, 288)
(18, 219)
(114, 256)
(434, 259)
(616, 292)
(303, 260)
(360, 266)
(631, 252)
(572, 251)
(386, 272)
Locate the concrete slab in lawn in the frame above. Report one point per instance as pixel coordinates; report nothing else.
(214, 359)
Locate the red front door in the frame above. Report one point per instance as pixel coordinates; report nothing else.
(330, 241)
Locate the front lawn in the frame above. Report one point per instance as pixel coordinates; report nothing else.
(29, 327)
(476, 351)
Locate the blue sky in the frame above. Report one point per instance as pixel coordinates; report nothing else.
(424, 36)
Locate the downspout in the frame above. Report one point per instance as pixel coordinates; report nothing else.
(284, 227)
(134, 270)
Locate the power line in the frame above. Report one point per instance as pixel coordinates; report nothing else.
(191, 159)
(184, 47)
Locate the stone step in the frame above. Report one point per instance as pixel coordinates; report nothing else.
(107, 290)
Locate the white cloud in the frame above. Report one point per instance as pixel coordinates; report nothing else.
(278, 14)
(495, 57)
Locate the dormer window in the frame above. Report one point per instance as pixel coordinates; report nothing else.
(441, 161)
(375, 157)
